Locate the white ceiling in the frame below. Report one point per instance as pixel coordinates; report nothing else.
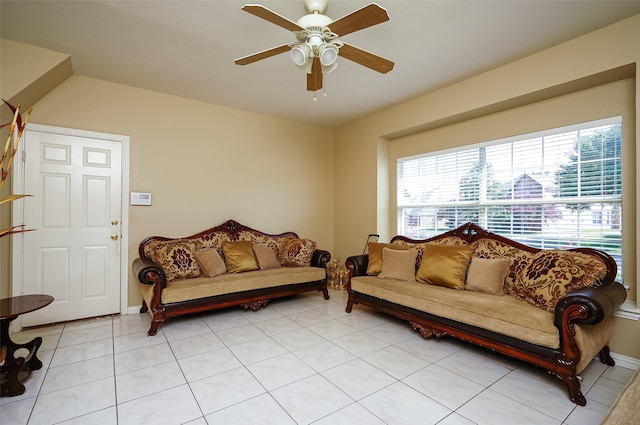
(187, 48)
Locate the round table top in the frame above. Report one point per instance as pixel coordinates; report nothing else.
(14, 306)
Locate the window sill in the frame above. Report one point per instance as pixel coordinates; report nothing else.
(628, 310)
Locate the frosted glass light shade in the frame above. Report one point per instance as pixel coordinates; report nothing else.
(328, 54)
(300, 54)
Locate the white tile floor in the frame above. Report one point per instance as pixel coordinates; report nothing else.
(300, 360)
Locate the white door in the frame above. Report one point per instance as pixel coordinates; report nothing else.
(74, 252)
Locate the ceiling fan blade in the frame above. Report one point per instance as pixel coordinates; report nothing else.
(365, 17)
(268, 15)
(314, 80)
(365, 58)
(262, 55)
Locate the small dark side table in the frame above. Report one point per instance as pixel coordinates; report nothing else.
(14, 370)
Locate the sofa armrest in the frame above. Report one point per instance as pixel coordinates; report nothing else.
(320, 258)
(357, 265)
(595, 303)
(149, 272)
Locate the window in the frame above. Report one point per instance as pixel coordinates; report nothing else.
(554, 189)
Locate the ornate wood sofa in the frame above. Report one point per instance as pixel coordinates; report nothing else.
(553, 308)
(189, 275)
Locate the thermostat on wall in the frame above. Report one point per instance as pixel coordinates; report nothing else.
(140, 198)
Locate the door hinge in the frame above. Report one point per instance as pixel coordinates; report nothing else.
(24, 155)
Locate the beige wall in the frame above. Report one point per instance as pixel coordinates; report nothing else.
(205, 163)
(29, 72)
(365, 150)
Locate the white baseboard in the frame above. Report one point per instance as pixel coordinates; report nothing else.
(626, 361)
(135, 309)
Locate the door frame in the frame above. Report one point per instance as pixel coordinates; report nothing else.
(17, 213)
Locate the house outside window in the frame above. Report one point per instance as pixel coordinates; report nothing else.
(558, 188)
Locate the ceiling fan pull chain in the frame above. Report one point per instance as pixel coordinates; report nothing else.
(324, 85)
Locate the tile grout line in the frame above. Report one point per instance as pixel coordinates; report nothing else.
(115, 380)
(333, 316)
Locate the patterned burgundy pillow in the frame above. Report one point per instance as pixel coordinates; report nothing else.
(296, 252)
(551, 274)
(176, 257)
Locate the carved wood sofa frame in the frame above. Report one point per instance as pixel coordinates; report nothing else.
(583, 306)
(150, 273)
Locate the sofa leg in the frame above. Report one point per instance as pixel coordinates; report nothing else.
(605, 356)
(325, 292)
(349, 305)
(154, 327)
(144, 308)
(573, 387)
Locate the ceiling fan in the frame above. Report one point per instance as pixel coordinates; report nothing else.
(317, 46)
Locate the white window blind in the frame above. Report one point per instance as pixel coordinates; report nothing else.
(554, 189)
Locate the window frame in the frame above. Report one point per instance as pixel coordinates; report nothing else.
(484, 203)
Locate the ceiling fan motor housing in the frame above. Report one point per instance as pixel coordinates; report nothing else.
(314, 22)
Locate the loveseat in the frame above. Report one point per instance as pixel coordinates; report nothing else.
(228, 265)
(551, 308)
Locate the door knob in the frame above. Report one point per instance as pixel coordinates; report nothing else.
(114, 222)
(114, 237)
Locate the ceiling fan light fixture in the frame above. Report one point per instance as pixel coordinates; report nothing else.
(300, 54)
(328, 54)
(318, 44)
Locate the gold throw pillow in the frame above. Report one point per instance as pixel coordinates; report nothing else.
(239, 256)
(445, 265)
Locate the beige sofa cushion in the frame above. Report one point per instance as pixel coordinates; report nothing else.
(229, 283)
(491, 248)
(504, 315)
(487, 275)
(210, 262)
(267, 258)
(374, 249)
(400, 265)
